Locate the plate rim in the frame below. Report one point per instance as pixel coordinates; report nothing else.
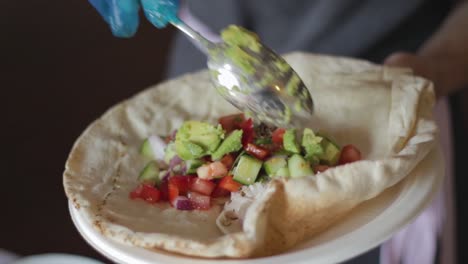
(112, 249)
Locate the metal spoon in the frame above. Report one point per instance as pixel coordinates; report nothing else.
(263, 93)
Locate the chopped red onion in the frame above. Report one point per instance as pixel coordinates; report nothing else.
(157, 146)
(176, 160)
(182, 203)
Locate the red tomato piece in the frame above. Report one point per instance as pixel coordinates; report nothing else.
(150, 193)
(227, 183)
(182, 183)
(173, 191)
(136, 193)
(164, 189)
(220, 192)
(231, 122)
(248, 132)
(199, 201)
(320, 168)
(277, 136)
(147, 192)
(202, 186)
(256, 151)
(349, 154)
(227, 160)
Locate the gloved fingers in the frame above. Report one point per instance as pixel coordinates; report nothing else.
(161, 12)
(121, 15)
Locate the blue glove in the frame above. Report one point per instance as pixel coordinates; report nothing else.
(122, 15)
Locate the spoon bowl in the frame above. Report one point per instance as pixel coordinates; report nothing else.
(266, 87)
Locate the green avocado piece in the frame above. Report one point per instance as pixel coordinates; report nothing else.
(289, 141)
(312, 146)
(231, 143)
(331, 152)
(274, 164)
(193, 165)
(150, 173)
(187, 150)
(247, 169)
(195, 139)
(146, 150)
(299, 167)
(241, 37)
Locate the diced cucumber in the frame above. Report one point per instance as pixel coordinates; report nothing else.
(193, 165)
(283, 172)
(299, 167)
(247, 170)
(150, 173)
(290, 142)
(274, 164)
(146, 150)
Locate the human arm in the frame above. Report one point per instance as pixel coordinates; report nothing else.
(444, 57)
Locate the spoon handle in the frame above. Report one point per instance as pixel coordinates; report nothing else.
(201, 42)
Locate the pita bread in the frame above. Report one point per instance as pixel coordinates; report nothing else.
(386, 112)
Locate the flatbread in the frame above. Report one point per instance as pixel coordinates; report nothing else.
(386, 112)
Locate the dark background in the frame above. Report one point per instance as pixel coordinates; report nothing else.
(60, 68)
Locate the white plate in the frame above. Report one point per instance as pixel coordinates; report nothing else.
(56, 258)
(365, 227)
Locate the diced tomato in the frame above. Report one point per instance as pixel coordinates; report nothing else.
(136, 193)
(164, 189)
(320, 168)
(199, 201)
(202, 186)
(173, 191)
(256, 151)
(182, 183)
(248, 132)
(220, 192)
(212, 170)
(227, 161)
(227, 183)
(151, 194)
(146, 192)
(231, 122)
(277, 136)
(349, 154)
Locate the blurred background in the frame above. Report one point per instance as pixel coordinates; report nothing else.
(60, 68)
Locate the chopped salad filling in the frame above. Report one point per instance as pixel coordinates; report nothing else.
(200, 162)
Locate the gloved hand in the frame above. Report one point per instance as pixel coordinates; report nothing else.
(122, 15)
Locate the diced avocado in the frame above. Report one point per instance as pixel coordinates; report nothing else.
(188, 150)
(146, 150)
(150, 173)
(290, 142)
(274, 164)
(195, 139)
(312, 146)
(169, 152)
(247, 170)
(299, 167)
(230, 144)
(192, 165)
(331, 152)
